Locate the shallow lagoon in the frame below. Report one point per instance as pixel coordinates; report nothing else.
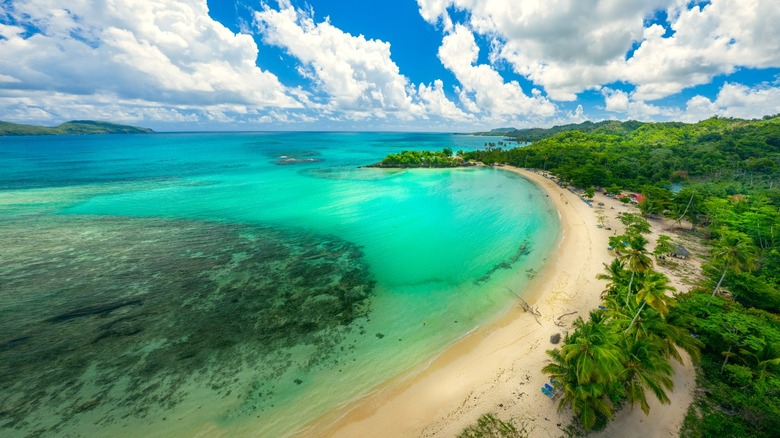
(171, 284)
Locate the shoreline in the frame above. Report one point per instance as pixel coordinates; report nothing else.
(496, 368)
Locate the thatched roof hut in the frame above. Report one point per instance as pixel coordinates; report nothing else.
(680, 252)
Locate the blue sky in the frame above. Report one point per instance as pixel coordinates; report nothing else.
(413, 65)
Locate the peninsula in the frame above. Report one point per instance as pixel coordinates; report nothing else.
(427, 159)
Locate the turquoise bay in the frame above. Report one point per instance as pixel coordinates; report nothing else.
(142, 250)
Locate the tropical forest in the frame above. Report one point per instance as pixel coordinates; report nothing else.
(720, 178)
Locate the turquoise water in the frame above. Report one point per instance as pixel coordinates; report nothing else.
(174, 284)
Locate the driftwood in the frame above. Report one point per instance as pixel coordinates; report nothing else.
(527, 307)
(560, 323)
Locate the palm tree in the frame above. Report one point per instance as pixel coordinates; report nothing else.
(645, 368)
(664, 245)
(636, 259)
(653, 292)
(768, 355)
(669, 333)
(586, 367)
(734, 251)
(634, 223)
(616, 276)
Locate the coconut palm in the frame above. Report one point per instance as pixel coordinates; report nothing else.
(669, 333)
(733, 251)
(635, 258)
(586, 368)
(615, 275)
(652, 291)
(767, 356)
(645, 367)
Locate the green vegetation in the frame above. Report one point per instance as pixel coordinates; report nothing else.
(407, 159)
(489, 426)
(536, 134)
(725, 173)
(71, 128)
(739, 370)
(622, 351)
(655, 155)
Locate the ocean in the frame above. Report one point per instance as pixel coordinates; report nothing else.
(241, 283)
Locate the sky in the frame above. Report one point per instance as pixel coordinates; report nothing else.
(386, 65)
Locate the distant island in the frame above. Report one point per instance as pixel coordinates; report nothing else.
(74, 127)
(423, 159)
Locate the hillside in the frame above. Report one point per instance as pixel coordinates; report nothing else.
(74, 127)
(631, 155)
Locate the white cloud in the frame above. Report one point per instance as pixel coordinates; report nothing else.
(48, 106)
(619, 101)
(569, 46)
(566, 46)
(437, 103)
(357, 74)
(708, 41)
(616, 100)
(459, 53)
(735, 100)
(164, 53)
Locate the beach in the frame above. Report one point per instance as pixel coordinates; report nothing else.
(497, 367)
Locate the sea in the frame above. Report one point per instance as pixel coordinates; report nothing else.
(242, 284)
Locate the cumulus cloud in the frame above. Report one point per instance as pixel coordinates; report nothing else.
(157, 51)
(569, 46)
(437, 103)
(357, 74)
(615, 100)
(735, 100)
(708, 40)
(566, 46)
(619, 101)
(459, 53)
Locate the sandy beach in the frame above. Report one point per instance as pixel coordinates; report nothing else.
(497, 368)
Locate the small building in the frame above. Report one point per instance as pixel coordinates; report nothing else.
(636, 198)
(680, 252)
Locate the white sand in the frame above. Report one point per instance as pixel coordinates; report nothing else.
(497, 368)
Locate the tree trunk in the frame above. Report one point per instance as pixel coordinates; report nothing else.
(628, 294)
(683, 214)
(636, 316)
(726, 359)
(717, 286)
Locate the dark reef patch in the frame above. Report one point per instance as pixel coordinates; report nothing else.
(285, 158)
(114, 317)
(522, 251)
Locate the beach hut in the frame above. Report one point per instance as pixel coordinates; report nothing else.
(636, 198)
(680, 252)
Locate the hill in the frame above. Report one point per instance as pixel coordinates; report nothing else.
(633, 154)
(74, 127)
(531, 135)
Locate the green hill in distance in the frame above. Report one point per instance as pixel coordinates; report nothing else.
(536, 134)
(74, 127)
